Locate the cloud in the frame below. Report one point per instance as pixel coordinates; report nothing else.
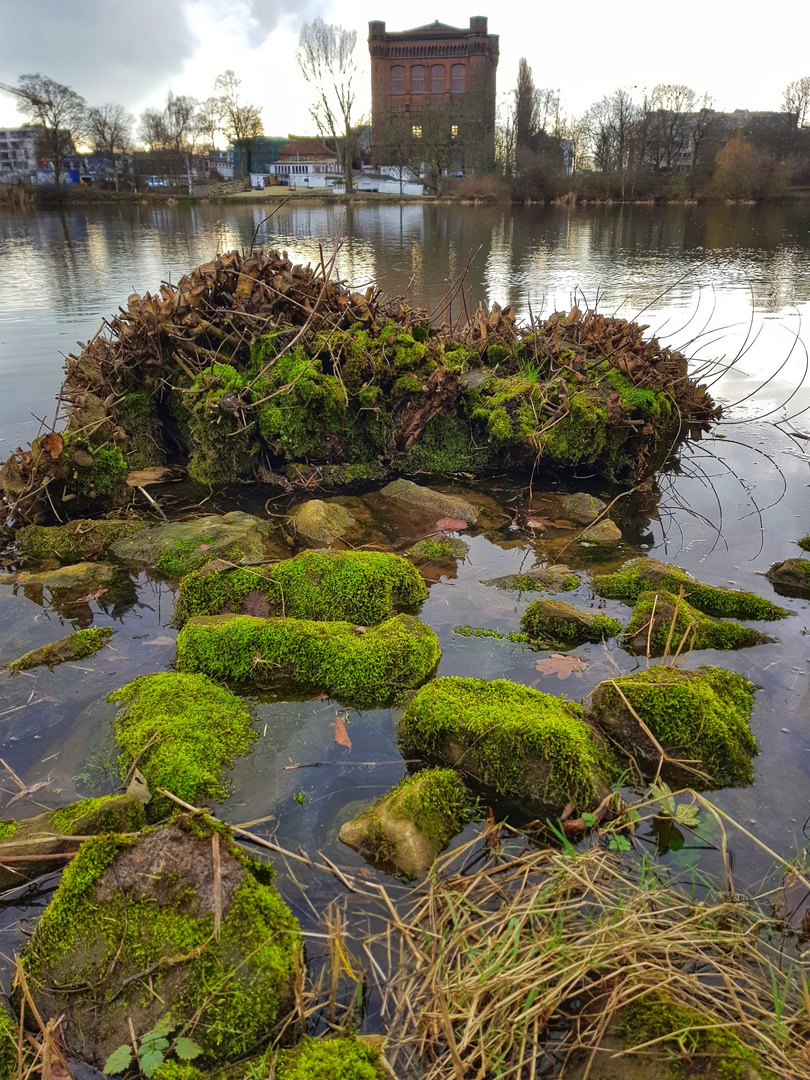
(267, 15)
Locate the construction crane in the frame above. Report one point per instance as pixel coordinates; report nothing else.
(24, 94)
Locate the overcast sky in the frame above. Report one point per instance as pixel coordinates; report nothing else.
(134, 53)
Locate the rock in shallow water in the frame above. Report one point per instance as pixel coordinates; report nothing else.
(435, 502)
(582, 508)
(322, 522)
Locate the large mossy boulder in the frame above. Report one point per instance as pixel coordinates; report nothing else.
(660, 619)
(526, 746)
(355, 664)
(558, 623)
(700, 717)
(76, 646)
(363, 587)
(343, 1057)
(182, 730)
(412, 823)
(176, 923)
(178, 547)
(77, 541)
(645, 575)
(322, 523)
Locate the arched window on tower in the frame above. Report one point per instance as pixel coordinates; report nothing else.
(418, 79)
(397, 80)
(457, 74)
(437, 79)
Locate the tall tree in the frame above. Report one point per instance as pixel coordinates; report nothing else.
(59, 112)
(175, 127)
(239, 120)
(109, 130)
(525, 110)
(326, 58)
(796, 99)
(673, 103)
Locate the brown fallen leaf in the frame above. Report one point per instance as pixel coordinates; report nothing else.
(563, 523)
(54, 444)
(93, 595)
(562, 665)
(205, 547)
(451, 524)
(341, 734)
(541, 523)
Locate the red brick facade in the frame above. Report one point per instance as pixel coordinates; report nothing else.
(435, 71)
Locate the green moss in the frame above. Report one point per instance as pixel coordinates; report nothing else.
(537, 581)
(137, 415)
(363, 587)
(641, 575)
(194, 729)
(76, 646)
(338, 1058)
(182, 557)
(74, 542)
(804, 543)
(700, 631)
(177, 1070)
(109, 473)
(105, 814)
(436, 801)
(8, 829)
(718, 1052)
(484, 632)
(347, 662)
(220, 438)
(501, 726)
(235, 987)
(702, 714)
(448, 445)
(447, 547)
(8, 1046)
(553, 620)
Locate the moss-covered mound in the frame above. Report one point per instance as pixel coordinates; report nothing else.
(183, 730)
(791, 576)
(559, 623)
(644, 575)
(521, 743)
(652, 623)
(552, 579)
(131, 936)
(76, 646)
(77, 541)
(8, 1046)
(351, 663)
(408, 826)
(440, 549)
(105, 814)
(340, 1058)
(701, 717)
(363, 587)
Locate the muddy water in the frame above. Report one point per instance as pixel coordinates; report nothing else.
(732, 281)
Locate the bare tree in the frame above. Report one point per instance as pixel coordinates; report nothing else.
(673, 103)
(175, 127)
(239, 121)
(326, 58)
(796, 99)
(59, 112)
(109, 129)
(209, 120)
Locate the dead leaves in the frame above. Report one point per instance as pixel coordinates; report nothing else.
(54, 444)
(448, 524)
(562, 665)
(341, 734)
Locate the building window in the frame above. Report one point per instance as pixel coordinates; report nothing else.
(416, 131)
(454, 131)
(397, 80)
(457, 78)
(418, 79)
(437, 79)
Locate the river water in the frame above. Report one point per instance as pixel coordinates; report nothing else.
(731, 285)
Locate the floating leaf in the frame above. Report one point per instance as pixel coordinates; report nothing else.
(341, 734)
(118, 1061)
(95, 594)
(662, 792)
(451, 524)
(687, 815)
(187, 1049)
(562, 665)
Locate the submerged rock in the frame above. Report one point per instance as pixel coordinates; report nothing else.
(76, 646)
(77, 575)
(582, 508)
(604, 533)
(77, 541)
(440, 548)
(563, 624)
(174, 923)
(552, 579)
(527, 746)
(643, 575)
(177, 547)
(363, 587)
(434, 502)
(322, 522)
(791, 574)
(182, 731)
(700, 716)
(371, 666)
(652, 622)
(408, 826)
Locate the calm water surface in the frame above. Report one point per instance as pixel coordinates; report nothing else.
(723, 283)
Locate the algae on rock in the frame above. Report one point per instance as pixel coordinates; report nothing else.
(363, 587)
(792, 575)
(439, 548)
(700, 716)
(183, 730)
(563, 624)
(77, 541)
(143, 927)
(76, 646)
(553, 579)
(322, 522)
(660, 618)
(523, 744)
(341, 1057)
(355, 664)
(412, 823)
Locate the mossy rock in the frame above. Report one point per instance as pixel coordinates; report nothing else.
(604, 533)
(77, 575)
(563, 624)
(354, 664)
(363, 587)
(130, 937)
(221, 446)
(184, 731)
(8, 1045)
(792, 576)
(804, 543)
(77, 541)
(341, 1057)
(524, 745)
(440, 548)
(430, 501)
(582, 508)
(178, 547)
(322, 523)
(412, 823)
(107, 813)
(76, 646)
(652, 622)
(553, 579)
(643, 575)
(699, 716)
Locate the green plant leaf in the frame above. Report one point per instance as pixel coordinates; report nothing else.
(619, 843)
(160, 1030)
(152, 1042)
(187, 1049)
(150, 1061)
(119, 1060)
(688, 815)
(589, 819)
(663, 794)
